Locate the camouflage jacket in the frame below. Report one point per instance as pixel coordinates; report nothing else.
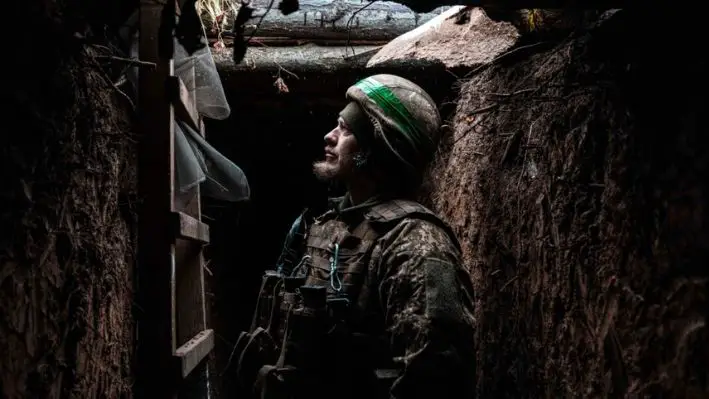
(400, 268)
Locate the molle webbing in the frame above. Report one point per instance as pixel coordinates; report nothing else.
(395, 210)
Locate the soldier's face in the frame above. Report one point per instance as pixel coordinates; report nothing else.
(340, 148)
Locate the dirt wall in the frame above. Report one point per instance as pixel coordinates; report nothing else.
(576, 179)
(66, 243)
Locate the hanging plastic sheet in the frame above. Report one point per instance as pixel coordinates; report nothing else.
(197, 162)
(220, 178)
(190, 168)
(205, 83)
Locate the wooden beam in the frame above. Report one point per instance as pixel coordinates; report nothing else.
(191, 317)
(425, 6)
(194, 351)
(308, 58)
(189, 228)
(156, 334)
(181, 98)
(282, 41)
(335, 19)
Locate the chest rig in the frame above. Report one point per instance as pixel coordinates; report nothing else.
(317, 325)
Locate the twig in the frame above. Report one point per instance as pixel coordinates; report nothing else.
(483, 109)
(513, 279)
(108, 81)
(121, 81)
(129, 61)
(502, 56)
(349, 28)
(452, 74)
(258, 25)
(206, 268)
(475, 112)
(512, 144)
(519, 196)
(281, 68)
(516, 93)
(524, 160)
(470, 129)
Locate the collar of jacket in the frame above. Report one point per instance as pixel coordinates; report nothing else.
(341, 207)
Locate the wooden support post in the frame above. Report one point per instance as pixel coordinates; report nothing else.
(190, 299)
(191, 316)
(155, 374)
(173, 339)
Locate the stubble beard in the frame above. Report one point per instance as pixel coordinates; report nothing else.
(338, 171)
(325, 171)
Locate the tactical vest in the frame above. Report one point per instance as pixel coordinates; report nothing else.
(316, 326)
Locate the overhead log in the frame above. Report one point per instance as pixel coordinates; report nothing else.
(335, 19)
(310, 71)
(275, 41)
(295, 59)
(424, 6)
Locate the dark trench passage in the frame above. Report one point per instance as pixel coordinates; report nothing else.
(274, 140)
(274, 137)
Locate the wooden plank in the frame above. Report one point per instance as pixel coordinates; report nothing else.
(181, 98)
(190, 316)
(155, 378)
(194, 351)
(335, 19)
(190, 228)
(190, 299)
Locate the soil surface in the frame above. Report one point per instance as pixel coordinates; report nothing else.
(576, 179)
(66, 246)
(441, 42)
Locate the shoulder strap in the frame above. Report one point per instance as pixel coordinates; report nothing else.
(395, 210)
(385, 216)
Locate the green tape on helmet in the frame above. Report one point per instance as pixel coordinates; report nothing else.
(390, 104)
(396, 112)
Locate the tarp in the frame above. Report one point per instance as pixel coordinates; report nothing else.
(197, 162)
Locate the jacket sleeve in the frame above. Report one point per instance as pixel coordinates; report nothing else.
(427, 299)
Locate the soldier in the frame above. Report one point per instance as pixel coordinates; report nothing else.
(370, 299)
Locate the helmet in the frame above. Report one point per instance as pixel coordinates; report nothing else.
(405, 118)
